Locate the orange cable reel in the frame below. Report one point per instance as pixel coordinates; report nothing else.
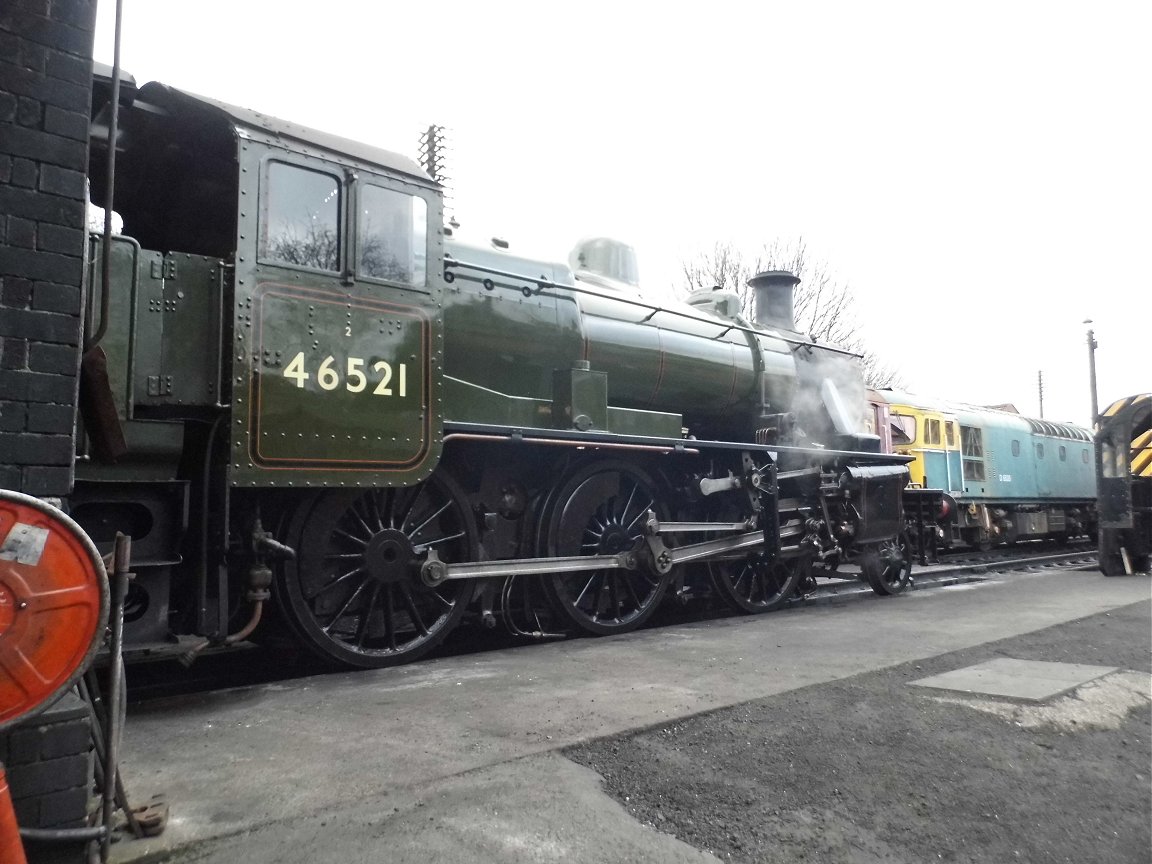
(53, 604)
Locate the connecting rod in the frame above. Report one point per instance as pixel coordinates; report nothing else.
(434, 571)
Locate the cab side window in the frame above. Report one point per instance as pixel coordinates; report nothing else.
(932, 432)
(972, 449)
(903, 429)
(300, 222)
(392, 236)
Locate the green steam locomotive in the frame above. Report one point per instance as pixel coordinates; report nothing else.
(298, 386)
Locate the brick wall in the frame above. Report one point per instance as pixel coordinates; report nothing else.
(48, 761)
(49, 765)
(45, 91)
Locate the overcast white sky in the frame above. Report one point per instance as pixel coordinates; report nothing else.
(980, 174)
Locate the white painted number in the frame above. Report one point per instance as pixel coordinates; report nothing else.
(295, 370)
(354, 364)
(385, 370)
(326, 376)
(382, 389)
(356, 381)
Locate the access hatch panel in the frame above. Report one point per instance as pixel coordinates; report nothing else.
(340, 385)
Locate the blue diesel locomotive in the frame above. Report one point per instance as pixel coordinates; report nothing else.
(1005, 477)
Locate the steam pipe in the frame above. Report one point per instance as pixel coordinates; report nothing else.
(597, 445)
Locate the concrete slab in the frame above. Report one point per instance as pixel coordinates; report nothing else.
(1027, 680)
(233, 761)
(536, 810)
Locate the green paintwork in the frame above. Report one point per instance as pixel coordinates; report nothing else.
(366, 409)
(579, 399)
(128, 259)
(510, 335)
(190, 371)
(163, 320)
(307, 349)
(502, 340)
(133, 346)
(489, 407)
(653, 424)
(331, 428)
(479, 405)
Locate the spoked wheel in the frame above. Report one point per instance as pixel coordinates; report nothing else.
(888, 566)
(353, 593)
(601, 510)
(758, 582)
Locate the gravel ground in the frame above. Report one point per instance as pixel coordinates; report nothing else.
(868, 769)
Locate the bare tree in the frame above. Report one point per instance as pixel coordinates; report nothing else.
(315, 246)
(824, 307)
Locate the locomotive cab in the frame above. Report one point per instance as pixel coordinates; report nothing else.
(269, 315)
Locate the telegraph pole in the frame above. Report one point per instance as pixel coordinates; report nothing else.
(1040, 388)
(1092, 345)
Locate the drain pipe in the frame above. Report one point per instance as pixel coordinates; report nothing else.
(259, 590)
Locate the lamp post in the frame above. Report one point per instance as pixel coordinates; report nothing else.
(1092, 345)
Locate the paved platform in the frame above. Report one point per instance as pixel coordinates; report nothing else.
(457, 758)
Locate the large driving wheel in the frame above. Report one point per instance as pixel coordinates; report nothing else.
(601, 510)
(888, 566)
(353, 594)
(758, 582)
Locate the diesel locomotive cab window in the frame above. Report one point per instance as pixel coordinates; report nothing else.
(393, 236)
(973, 440)
(1015, 447)
(933, 432)
(1114, 458)
(301, 218)
(972, 446)
(903, 429)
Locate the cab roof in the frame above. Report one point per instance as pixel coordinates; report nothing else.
(174, 100)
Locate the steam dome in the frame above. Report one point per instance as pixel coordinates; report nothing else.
(606, 261)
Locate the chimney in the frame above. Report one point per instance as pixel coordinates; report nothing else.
(772, 293)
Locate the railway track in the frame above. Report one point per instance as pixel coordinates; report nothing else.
(251, 665)
(966, 567)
